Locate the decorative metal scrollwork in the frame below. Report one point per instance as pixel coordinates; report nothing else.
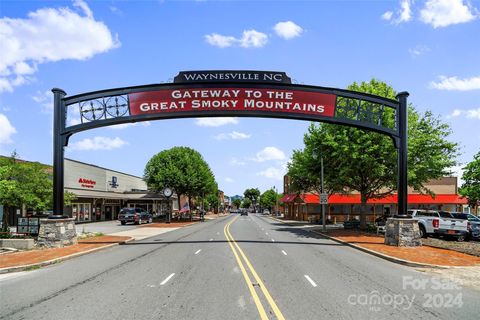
(366, 111)
(103, 108)
(116, 106)
(92, 110)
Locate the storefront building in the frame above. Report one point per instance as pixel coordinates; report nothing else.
(101, 193)
(342, 207)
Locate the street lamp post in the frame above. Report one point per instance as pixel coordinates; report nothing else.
(324, 227)
(322, 189)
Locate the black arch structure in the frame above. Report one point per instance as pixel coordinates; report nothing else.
(114, 106)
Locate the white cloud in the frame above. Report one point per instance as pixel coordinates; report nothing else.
(98, 143)
(288, 30)
(45, 99)
(250, 38)
(469, 113)
(234, 135)
(418, 50)
(229, 180)
(253, 38)
(387, 15)
(269, 153)
(453, 83)
(405, 11)
(442, 13)
(236, 162)
(6, 130)
(215, 122)
(217, 40)
(271, 173)
(49, 34)
(116, 10)
(403, 14)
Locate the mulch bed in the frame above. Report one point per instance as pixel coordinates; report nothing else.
(469, 247)
(42, 255)
(424, 254)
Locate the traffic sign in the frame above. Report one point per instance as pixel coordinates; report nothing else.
(323, 198)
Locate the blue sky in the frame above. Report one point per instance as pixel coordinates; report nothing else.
(429, 48)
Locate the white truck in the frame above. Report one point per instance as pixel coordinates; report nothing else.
(431, 222)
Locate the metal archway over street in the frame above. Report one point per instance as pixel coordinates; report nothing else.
(265, 94)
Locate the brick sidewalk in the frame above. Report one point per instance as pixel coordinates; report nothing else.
(423, 255)
(44, 255)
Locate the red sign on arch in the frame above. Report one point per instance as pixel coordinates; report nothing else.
(232, 99)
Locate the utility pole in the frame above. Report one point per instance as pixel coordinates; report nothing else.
(324, 227)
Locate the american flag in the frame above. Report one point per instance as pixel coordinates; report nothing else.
(185, 208)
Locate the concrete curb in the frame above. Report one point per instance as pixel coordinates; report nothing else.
(60, 259)
(378, 254)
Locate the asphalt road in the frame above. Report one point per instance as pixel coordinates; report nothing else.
(233, 268)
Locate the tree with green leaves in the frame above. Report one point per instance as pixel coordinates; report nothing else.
(253, 194)
(246, 203)
(182, 169)
(269, 199)
(471, 185)
(26, 184)
(366, 161)
(212, 202)
(237, 202)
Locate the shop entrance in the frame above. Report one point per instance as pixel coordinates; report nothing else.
(225, 94)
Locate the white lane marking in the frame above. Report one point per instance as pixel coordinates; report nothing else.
(283, 251)
(310, 280)
(266, 233)
(273, 240)
(218, 233)
(198, 251)
(211, 240)
(166, 280)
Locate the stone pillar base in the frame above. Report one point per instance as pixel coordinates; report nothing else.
(57, 233)
(402, 232)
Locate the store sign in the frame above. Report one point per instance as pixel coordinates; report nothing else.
(87, 183)
(232, 75)
(281, 101)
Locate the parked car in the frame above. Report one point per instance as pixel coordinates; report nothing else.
(473, 223)
(266, 212)
(135, 215)
(431, 222)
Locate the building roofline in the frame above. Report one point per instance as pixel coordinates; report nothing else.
(93, 165)
(88, 164)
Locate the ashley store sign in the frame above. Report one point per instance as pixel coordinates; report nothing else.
(232, 99)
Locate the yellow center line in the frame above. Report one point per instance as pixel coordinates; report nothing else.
(256, 299)
(264, 289)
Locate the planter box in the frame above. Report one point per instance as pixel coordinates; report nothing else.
(20, 244)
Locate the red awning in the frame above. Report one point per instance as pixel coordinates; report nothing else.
(288, 198)
(392, 199)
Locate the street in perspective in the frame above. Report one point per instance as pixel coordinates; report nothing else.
(239, 160)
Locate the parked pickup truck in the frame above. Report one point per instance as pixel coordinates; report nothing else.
(442, 223)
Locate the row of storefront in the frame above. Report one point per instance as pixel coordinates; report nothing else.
(101, 193)
(343, 207)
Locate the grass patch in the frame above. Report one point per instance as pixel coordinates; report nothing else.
(32, 268)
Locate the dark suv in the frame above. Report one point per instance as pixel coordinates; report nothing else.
(135, 215)
(473, 223)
